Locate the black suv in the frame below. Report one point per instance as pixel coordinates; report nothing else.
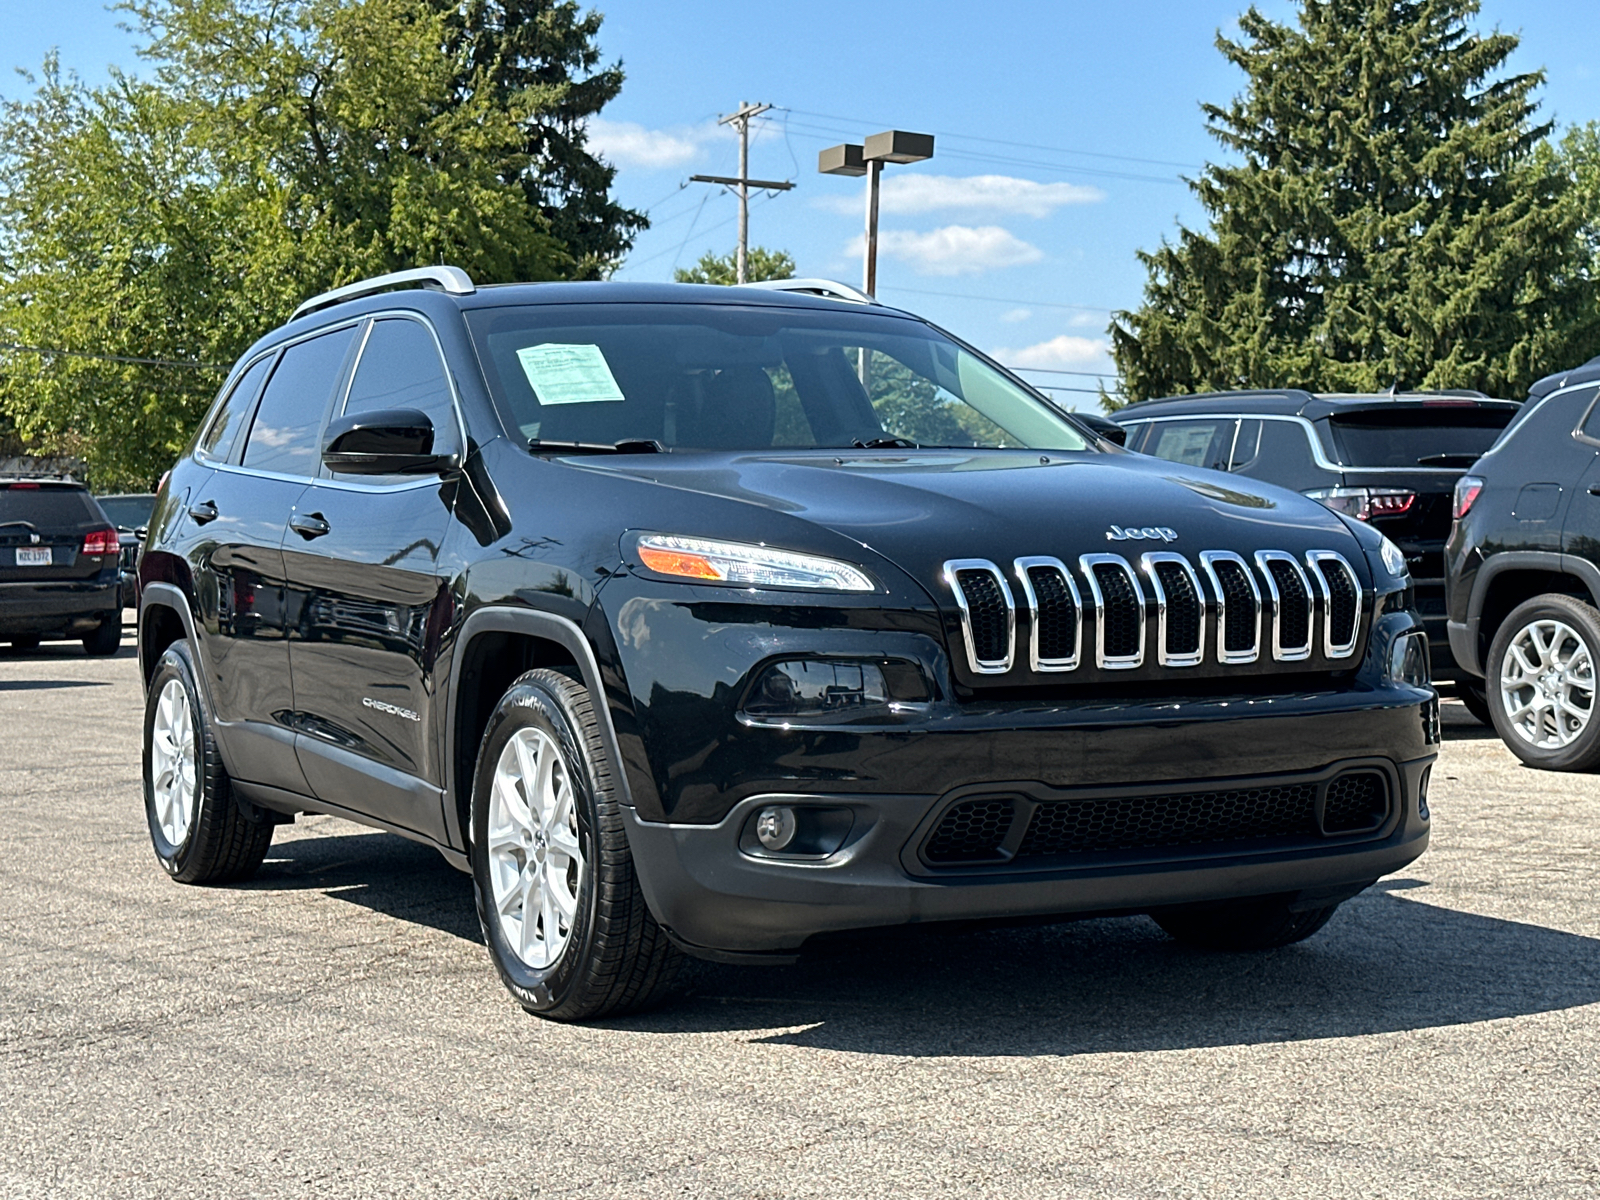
(1523, 566)
(1389, 460)
(59, 576)
(711, 620)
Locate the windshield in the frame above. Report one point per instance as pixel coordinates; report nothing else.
(1447, 436)
(729, 378)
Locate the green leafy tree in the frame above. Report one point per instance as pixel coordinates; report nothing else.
(1389, 218)
(760, 264)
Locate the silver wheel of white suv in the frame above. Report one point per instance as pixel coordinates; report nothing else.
(536, 864)
(172, 763)
(1547, 684)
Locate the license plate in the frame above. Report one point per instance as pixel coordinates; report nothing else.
(33, 556)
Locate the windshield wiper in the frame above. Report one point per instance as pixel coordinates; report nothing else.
(885, 443)
(625, 446)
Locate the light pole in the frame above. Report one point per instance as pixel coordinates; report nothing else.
(891, 146)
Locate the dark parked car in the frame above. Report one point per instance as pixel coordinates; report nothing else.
(1523, 567)
(714, 620)
(58, 566)
(1391, 461)
(130, 513)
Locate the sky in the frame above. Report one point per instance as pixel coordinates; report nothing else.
(1063, 131)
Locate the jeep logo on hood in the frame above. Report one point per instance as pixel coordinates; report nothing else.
(1149, 533)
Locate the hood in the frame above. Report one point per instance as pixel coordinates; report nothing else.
(923, 508)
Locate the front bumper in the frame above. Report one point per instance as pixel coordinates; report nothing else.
(718, 899)
(58, 607)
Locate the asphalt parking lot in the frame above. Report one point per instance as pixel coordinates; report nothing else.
(335, 1027)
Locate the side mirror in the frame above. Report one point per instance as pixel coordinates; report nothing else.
(389, 441)
(1103, 427)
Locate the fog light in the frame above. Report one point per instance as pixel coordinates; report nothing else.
(775, 828)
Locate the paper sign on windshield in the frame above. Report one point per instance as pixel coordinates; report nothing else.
(568, 374)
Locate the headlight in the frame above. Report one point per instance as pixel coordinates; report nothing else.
(1394, 559)
(1408, 660)
(754, 566)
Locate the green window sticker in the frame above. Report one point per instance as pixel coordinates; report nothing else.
(561, 373)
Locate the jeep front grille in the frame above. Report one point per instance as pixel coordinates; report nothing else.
(1109, 595)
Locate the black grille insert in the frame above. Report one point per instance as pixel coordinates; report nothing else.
(1239, 599)
(1344, 604)
(972, 830)
(1121, 630)
(1358, 801)
(1294, 606)
(1057, 615)
(1183, 609)
(987, 613)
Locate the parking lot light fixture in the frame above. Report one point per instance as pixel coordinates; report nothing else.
(890, 146)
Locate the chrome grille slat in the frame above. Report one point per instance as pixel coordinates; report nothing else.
(1336, 597)
(1165, 654)
(1280, 603)
(1216, 564)
(961, 573)
(1105, 612)
(1033, 574)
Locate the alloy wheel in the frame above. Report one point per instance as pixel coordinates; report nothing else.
(536, 863)
(172, 763)
(1547, 684)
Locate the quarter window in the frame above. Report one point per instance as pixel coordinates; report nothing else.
(400, 367)
(224, 428)
(284, 435)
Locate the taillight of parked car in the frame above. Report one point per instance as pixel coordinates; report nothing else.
(101, 541)
(1364, 503)
(1467, 489)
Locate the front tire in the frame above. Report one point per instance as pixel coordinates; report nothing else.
(558, 898)
(1541, 677)
(1257, 923)
(196, 827)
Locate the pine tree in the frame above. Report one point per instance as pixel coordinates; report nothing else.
(1391, 219)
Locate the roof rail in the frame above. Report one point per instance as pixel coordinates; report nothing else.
(826, 288)
(453, 280)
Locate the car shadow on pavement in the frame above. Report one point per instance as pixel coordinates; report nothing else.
(378, 871)
(39, 685)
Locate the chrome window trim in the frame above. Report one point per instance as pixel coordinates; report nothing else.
(1119, 662)
(343, 485)
(1208, 561)
(1577, 430)
(224, 393)
(1149, 561)
(1315, 561)
(980, 666)
(1280, 652)
(1022, 566)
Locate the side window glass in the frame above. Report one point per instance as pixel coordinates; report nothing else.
(1591, 422)
(224, 428)
(283, 436)
(1193, 443)
(400, 367)
(1246, 445)
(1283, 455)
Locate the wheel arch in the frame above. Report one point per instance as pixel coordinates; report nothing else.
(496, 644)
(1512, 577)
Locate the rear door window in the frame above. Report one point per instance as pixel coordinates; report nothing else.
(288, 422)
(1444, 436)
(1199, 443)
(231, 413)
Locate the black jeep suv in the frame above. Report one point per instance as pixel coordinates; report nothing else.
(1523, 569)
(59, 577)
(1389, 460)
(709, 620)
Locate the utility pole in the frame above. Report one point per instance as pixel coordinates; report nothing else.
(743, 184)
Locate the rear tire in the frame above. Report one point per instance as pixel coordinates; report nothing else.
(1257, 923)
(106, 640)
(1475, 697)
(25, 644)
(196, 827)
(1546, 716)
(558, 898)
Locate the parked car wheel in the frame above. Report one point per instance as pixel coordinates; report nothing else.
(199, 833)
(1542, 683)
(558, 899)
(1475, 697)
(1257, 923)
(107, 639)
(24, 643)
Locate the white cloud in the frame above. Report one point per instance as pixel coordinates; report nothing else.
(954, 249)
(1013, 316)
(625, 144)
(1085, 319)
(916, 193)
(1062, 353)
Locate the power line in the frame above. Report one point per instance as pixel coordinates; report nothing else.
(120, 358)
(1054, 371)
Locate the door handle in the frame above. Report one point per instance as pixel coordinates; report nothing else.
(203, 513)
(1594, 491)
(309, 525)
